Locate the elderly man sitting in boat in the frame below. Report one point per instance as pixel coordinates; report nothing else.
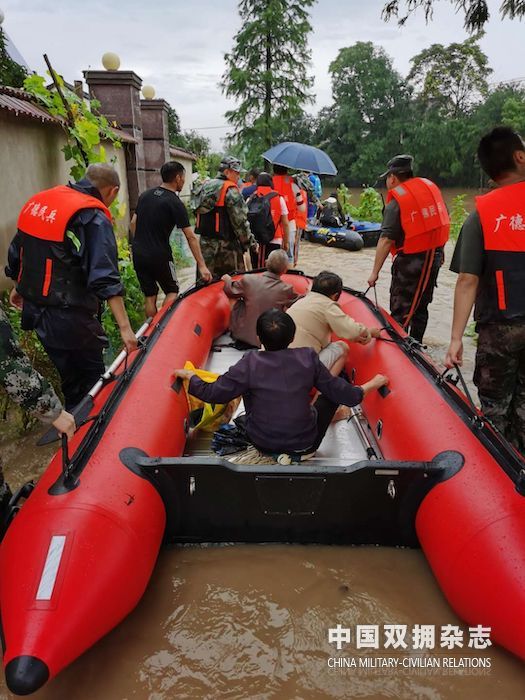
(276, 383)
(255, 294)
(318, 315)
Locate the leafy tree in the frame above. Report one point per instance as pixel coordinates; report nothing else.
(11, 72)
(83, 126)
(476, 11)
(513, 113)
(364, 127)
(450, 78)
(195, 142)
(492, 110)
(267, 70)
(174, 131)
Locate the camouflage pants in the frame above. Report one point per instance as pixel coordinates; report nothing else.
(407, 271)
(220, 257)
(499, 375)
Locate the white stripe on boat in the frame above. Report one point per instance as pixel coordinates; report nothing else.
(49, 574)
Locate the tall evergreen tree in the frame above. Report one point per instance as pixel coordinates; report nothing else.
(267, 70)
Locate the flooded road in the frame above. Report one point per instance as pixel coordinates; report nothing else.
(251, 622)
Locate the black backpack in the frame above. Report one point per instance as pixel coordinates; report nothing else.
(260, 217)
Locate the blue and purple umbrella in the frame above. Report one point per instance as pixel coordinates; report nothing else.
(299, 156)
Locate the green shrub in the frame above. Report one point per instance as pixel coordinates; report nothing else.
(458, 214)
(180, 257)
(370, 206)
(134, 301)
(344, 196)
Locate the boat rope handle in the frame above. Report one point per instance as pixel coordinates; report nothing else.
(464, 385)
(66, 463)
(477, 420)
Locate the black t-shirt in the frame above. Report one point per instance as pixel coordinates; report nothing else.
(159, 211)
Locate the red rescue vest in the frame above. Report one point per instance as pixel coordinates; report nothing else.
(216, 223)
(424, 216)
(284, 185)
(301, 216)
(501, 291)
(276, 210)
(49, 274)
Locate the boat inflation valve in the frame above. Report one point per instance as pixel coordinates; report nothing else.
(391, 489)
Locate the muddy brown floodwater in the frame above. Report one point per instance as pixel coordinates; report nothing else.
(251, 622)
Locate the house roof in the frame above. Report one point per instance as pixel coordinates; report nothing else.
(20, 103)
(178, 152)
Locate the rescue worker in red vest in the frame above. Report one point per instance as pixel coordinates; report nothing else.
(490, 260)
(63, 260)
(224, 231)
(301, 217)
(287, 188)
(279, 212)
(415, 229)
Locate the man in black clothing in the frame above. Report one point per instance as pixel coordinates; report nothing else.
(63, 259)
(159, 211)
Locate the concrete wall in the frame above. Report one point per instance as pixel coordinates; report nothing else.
(31, 160)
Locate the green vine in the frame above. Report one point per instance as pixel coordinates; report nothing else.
(86, 131)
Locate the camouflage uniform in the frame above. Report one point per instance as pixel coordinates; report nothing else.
(499, 373)
(221, 256)
(500, 377)
(23, 384)
(304, 182)
(406, 274)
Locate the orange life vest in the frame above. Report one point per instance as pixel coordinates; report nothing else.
(276, 210)
(501, 291)
(216, 223)
(424, 216)
(302, 216)
(49, 274)
(284, 185)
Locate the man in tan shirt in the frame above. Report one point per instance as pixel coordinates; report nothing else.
(318, 315)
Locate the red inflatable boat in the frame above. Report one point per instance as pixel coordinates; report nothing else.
(418, 459)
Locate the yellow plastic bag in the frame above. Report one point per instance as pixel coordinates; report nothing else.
(207, 416)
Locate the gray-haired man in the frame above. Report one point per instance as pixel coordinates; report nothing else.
(255, 294)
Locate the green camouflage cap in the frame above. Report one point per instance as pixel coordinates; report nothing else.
(231, 163)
